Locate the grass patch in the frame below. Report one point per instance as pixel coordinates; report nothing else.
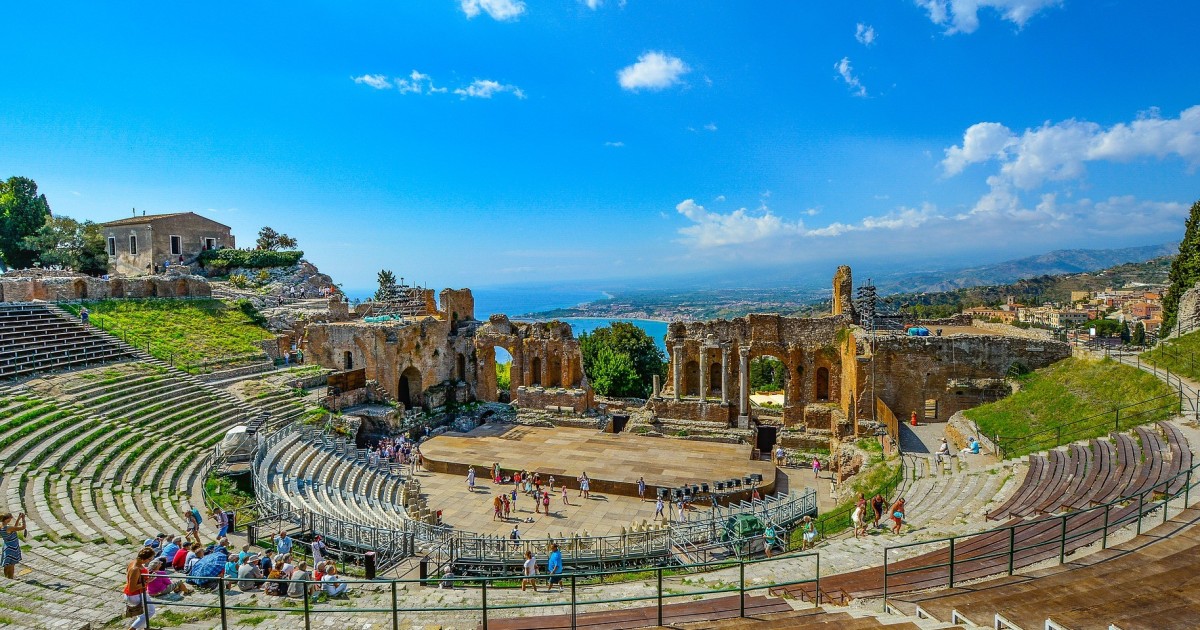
(186, 332)
(1180, 355)
(1074, 399)
(881, 479)
(226, 494)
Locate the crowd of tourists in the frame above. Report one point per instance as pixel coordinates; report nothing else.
(398, 450)
(169, 567)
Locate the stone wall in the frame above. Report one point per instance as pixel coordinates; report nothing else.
(577, 400)
(1013, 331)
(61, 288)
(954, 372)
(1188, 317)
(544, 354)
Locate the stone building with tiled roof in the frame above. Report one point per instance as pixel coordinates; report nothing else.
(140, 244)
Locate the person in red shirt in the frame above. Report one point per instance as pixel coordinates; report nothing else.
(181, 557)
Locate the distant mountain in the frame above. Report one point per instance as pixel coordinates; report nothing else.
(1058, 262)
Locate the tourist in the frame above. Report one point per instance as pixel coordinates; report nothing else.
(285, 565)
(170, 549)
(507, 507)
(780, 455)
(448, 577)
(584, 485)
(754, 495)
(192, 518)
(471, 479)
(770, 538)
(135, 588)
(275, 585)
(497, 507)
(496, 473)
(537, 503)
(943, 452)
(514, 499)
(641, 485)
(550, 483)
(530, 572)
(332, 584)
(318, 550)
(283, 543)
(211, 566)
(193, 557)
(158, 584)
(878, 503)
(249, 574)
(515, 534)
(231, 570)
(83, 315)
(816, 466)
(267, 562)
(298, 586)
(546, 502)
(9, 528)
(180, 558)
(856, 517)
(808, 533)
(897, 516)
(658, 508)
(244, 553)
(222, 522)
(565, 496)
(554, 566)
(972, 446)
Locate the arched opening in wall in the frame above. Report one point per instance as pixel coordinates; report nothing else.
(460, 369)
(553, 371)
(348, 360)
(535, 371)
(768, 385)
(714, 379)
(495, 366)
(823, 384)
(408, 390)
(80, 287)
(691, 378)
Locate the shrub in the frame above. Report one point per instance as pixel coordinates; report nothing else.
(239, 280)
(252, 258)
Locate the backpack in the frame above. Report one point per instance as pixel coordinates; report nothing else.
(196, 515)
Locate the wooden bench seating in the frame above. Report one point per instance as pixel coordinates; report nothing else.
(1033, 478)
(705, 610)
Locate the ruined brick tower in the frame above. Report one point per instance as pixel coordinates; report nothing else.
(843, 291)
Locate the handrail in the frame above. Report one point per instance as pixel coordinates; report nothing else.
(570, 594)
(1143, 508)
(1004, 444)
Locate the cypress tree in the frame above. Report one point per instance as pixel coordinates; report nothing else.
(1185, 270)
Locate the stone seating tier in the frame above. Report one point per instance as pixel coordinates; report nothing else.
(36, 338)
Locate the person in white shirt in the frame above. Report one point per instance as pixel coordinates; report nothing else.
(530, 577)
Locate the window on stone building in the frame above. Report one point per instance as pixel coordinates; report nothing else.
(210, 243)
(348, 360)
(822, 383)
(112, 246)
(176, 245)
(133, 245)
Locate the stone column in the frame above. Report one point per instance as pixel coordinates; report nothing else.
(703, 373)
(678, 368)
(744, 388)
(725, 376)
(655, 385)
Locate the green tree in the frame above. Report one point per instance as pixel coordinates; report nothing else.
(1185, 269)
(66, 242)
(268, 238)
(1139, 334)
(387, 285)
(1104, 327)
(1126, 336)
(613, 374)
(504, 376)
(645, 358)
(767, 374)
(22, 212)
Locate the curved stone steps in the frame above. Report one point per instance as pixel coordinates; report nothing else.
(13, 454)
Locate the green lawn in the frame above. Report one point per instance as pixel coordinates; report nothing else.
(1180, 355)
(188, 333)
(1072, 400)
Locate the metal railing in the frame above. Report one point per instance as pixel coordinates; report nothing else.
(1038, 540)
(1160, 407)
(501, 588)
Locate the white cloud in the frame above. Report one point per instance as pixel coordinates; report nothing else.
(710, 127)
(617, 144)
(653, 70)
(377, 81)
(962, 16)
(1060, 151)
(502, 10)
(485, 88)
(740, 227)
(417, 83)
(898, 219)
(864, 33)
(593, 4)
(844, 68)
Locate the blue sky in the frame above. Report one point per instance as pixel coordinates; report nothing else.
(487, 142)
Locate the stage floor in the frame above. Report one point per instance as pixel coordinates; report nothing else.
(612, 462)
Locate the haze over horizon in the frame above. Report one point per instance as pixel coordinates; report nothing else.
(495, 142)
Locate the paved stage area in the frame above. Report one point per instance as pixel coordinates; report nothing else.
(612, 462)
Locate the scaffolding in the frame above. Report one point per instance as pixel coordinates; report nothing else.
(400, 301)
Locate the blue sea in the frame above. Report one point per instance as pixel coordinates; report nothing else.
(513, 301)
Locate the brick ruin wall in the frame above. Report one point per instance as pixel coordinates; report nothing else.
(954, 373)
(60, 288)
